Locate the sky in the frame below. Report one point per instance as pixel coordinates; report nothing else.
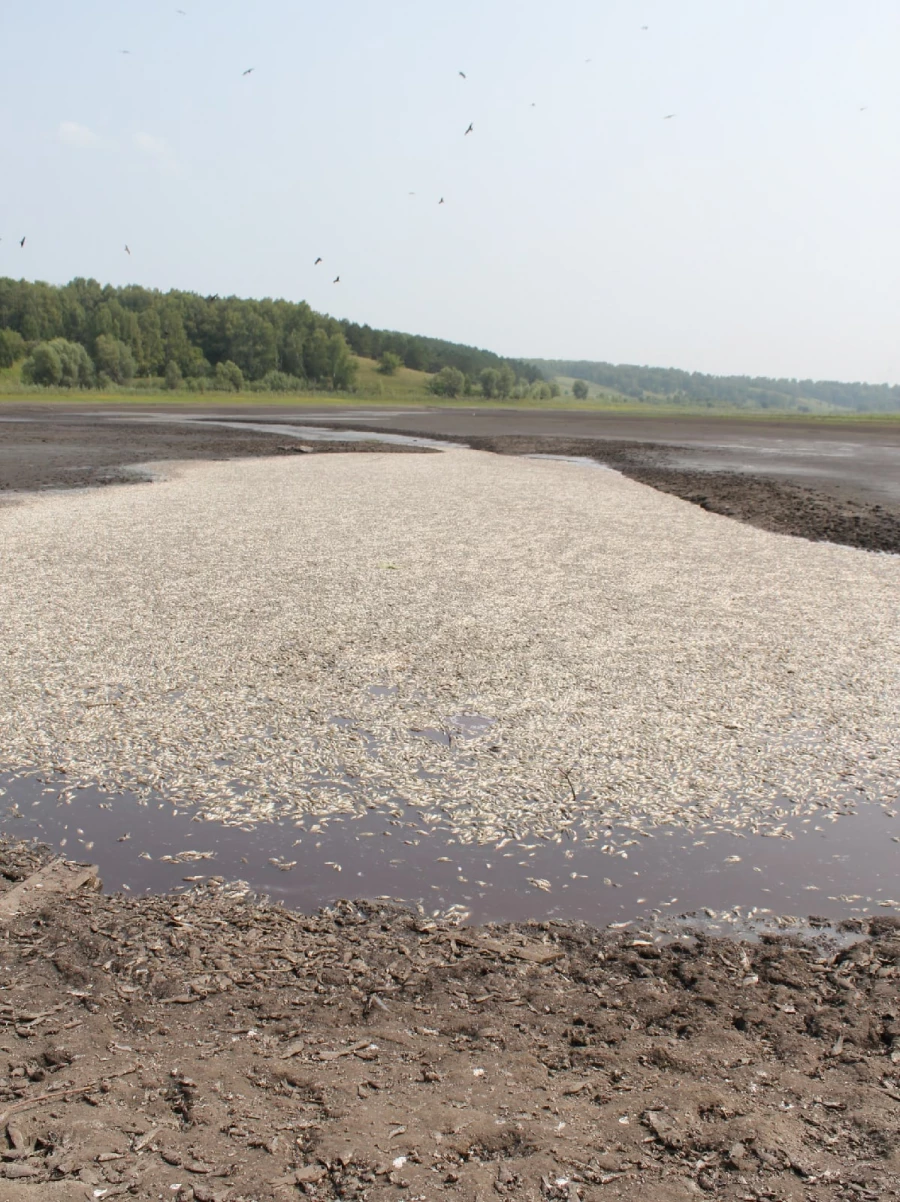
(756, 231)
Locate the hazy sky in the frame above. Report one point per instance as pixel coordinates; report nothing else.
(756, 231)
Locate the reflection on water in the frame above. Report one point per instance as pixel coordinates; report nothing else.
(321, 434)
(584, 460)
(832, 866)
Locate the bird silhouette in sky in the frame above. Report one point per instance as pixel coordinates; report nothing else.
(863, 108)
(318, 261)
(645, 27)
(463, 74)
(441, 201)
(22, 243)
(127, 249)
(471, 127)
(336, 280)
(124, 52)
(249, 71)
(669, 116)
(181, 12)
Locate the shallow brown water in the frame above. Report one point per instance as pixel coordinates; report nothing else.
(833, 866)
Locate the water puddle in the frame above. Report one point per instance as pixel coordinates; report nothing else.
(321, 434)
(833, 866)
(584, 460)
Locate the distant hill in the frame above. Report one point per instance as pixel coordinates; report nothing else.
(668, 385)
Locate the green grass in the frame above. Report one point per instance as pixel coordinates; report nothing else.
(410, 388)
(404, 384)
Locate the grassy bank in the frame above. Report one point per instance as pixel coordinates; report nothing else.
(406, 388)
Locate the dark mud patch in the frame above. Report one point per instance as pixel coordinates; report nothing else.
(210, 1047)
(64, 452)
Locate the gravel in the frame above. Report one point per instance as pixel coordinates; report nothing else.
(522, 645)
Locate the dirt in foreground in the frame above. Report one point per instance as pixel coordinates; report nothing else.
(209, 1046)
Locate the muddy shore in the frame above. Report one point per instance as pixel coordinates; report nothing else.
(210, 1046)
(834, 483)
(56, 451)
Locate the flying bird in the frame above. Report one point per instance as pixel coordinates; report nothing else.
(249, 71)
(471, 127)
(318, 261)
(127, 249)
(181, 12)
(645, 27)
(124, 52)
(336, 280)
(440, 202)
(863, 108)
(22, 243)
(463, 74)
(669, 116)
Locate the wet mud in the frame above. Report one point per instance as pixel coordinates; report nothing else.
(67, 451)
(207, 1047)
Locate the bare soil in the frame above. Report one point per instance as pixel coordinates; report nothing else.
(211, 1046)
(63, 451)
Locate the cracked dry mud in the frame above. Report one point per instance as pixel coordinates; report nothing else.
(211, 1046)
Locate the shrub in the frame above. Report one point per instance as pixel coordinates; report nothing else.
(228, 377)
(174, 378)
(389, 363)
(59, 362)
(449, 381)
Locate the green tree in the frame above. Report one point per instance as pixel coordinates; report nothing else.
(506, 380)
(43, 366)
(292, 354)
(341, 364)
(580, 390)
(315, 356)
(12, 347)
(174, 378)
(228, 377)
(77, 368)
(449, 381)
(389, 363)
(59, 362)
(114, 359)
(489, 380)
(152, 357)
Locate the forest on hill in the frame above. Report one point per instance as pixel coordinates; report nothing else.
(670, 386)
(85, 334)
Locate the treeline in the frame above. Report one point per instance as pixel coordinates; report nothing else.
(670, 385)
(432, 354)
(84, 334)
